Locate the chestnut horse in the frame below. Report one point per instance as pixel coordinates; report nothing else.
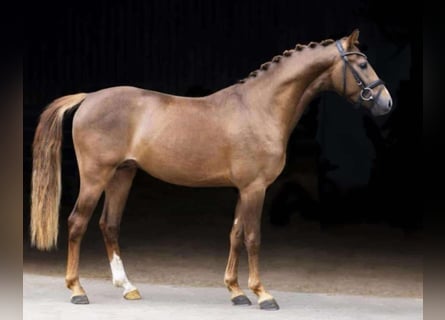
(235, 137)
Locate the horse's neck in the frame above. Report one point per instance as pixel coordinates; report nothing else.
(286, 88)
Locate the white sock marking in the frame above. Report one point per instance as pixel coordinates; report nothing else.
(119, 276)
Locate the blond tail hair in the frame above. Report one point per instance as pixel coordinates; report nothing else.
(46, 175)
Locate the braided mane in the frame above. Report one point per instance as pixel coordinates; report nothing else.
(287, 53)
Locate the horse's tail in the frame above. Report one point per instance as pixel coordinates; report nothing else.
(46, 175)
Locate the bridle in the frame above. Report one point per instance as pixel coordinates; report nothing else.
(366, 94)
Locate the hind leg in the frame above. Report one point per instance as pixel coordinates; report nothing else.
(92, 183)
(231, 275)
(116, 194)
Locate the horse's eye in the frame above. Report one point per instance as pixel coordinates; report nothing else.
(363, 65)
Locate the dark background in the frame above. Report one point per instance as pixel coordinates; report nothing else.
(366, 170)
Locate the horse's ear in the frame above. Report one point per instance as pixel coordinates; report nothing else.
(353, 39)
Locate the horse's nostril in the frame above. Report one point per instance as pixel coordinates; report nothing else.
(389, 104)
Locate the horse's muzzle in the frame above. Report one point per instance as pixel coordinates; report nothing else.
(383, 104)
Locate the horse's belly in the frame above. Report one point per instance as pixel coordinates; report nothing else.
(185, 168)
(192, 177)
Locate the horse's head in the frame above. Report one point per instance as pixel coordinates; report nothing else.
(354, 78)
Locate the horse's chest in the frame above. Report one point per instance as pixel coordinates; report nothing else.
(262, 160)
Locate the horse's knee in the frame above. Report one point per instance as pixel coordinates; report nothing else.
(252, 242)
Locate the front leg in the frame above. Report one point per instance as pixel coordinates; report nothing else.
(251, 203)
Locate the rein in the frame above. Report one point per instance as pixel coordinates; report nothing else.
(366, 94)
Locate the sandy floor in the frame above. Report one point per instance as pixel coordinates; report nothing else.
(358, 260)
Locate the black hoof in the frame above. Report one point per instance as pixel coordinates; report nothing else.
(269, 305)
(80, 299)
(241, 300)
